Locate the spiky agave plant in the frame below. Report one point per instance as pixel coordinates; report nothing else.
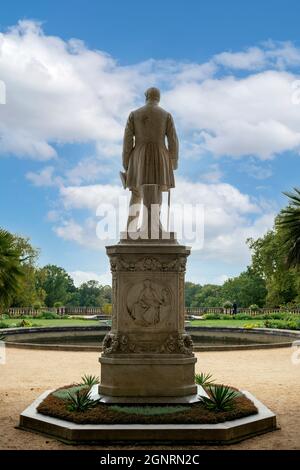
(89, 380)
(221, 398)
(204, 379)
(80, 400)
(288, 221)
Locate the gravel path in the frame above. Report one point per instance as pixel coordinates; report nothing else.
(268, 374)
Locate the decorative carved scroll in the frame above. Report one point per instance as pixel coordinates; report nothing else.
(118, 263)
(174, 344)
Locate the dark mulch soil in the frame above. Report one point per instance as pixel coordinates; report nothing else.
(106, 414)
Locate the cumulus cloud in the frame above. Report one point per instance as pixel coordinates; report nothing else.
(45, 177)
(213, 175)
(59, 91)
(273, 54)
(255, 170)
(220, 279)
(252, 59)
(71, 230)
(90, 196)
(79, 277)
(238, 104)
(240, 116)
(230, 216)
(62, 92)
(2, 92)
(87, 170)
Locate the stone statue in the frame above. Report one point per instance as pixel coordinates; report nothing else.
(147, 161)
(148, 356)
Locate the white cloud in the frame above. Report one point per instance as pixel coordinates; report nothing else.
(83, 233)
(220, 279)
(90, 196)
(70, 230)
(228, 241)
(240, 116)
(258, 172)
(62, 92)
(252, 59)
(87, 170)
(59, 91)
(80, 277)
(2, 92)
(230, 217)
(273, 54)
(53, 216)
(44, 178)
(213, 175)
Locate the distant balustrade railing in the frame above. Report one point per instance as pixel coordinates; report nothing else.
(32, 312)
(15, 312)
(199, 311)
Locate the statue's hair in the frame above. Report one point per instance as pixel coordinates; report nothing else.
(152, 94)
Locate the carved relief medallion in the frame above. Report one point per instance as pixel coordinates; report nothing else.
(149, 303)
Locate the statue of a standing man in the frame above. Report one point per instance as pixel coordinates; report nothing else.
(148, 162)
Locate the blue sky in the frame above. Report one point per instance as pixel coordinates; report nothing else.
(228, 72)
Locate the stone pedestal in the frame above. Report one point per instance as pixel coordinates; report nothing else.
(147, 353)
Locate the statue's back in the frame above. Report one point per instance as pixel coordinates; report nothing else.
(150, 124)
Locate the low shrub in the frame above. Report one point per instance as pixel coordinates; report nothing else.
(81, 400)
(277, 316)
(243, 316)
(287, 316)
(4, 316)
(48, 316)
(4, 324)
(227, 316)
(283, 324)
(89, 380)
(221, 398)
(212, 316)
(251, 325)
(24, 323)
(204, 379)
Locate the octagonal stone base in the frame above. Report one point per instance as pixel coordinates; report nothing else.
(217, 434)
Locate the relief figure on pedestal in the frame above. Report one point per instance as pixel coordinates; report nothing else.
(150, 306)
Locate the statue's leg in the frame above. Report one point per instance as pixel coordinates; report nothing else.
(152, 200)
(134, 210)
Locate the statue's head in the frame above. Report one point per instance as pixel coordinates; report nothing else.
(152, 94)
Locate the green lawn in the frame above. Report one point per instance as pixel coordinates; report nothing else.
(39, 322)
(227, 323)
(12, 322)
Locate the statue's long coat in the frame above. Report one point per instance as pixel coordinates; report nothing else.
(146, 157)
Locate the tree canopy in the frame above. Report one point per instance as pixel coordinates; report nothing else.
(11, 273)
